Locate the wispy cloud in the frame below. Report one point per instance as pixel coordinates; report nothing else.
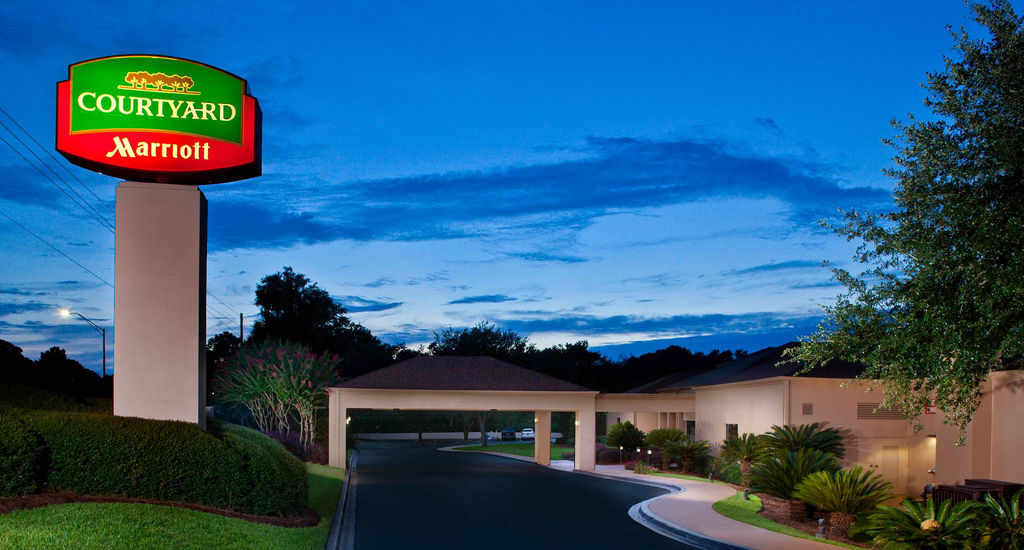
(382, 281)
(356, 304)
(616, 174)
(546, 257)
(483, 299)
(778, 266)
(14, 308)
(674, 325)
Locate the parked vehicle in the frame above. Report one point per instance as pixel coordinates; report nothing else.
(508, 434)
(526, 434)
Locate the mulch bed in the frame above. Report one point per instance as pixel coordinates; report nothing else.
(309, 518)
(811, 527)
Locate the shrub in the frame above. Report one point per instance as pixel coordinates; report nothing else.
(293, 443)
(643, 468)
(779, 474)
(276, 481)
(98, 454)
(658, 438)
(804, 436)
(744, 450)
(726, 471)
(854, 491)
(23, 458)
(281, 384)
(690, 454)
(1004, 521)
(844, 493)
(625, 434)
(925, 526)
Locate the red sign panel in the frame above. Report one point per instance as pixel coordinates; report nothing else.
(158, 119)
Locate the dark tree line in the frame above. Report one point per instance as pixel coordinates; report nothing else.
(53, 371)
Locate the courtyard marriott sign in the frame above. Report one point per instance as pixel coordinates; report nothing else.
(158, 119)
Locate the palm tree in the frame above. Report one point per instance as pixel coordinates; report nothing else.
(804, 436)
(745, 449)
(844, 494)
(925, 526)
(687, 452)
(779, 474)
(1004, 521)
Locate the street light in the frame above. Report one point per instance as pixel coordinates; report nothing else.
(67, 313)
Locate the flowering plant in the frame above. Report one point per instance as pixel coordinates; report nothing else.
(281, 384)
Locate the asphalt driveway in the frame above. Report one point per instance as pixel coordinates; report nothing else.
(414, 497)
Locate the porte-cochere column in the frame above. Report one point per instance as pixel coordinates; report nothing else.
(337, 415)
(586, 437)
(542, 437)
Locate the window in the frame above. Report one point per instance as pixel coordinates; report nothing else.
(691, 429)
(732, 430)
(808, 409)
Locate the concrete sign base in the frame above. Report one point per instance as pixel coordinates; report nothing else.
(160, 302)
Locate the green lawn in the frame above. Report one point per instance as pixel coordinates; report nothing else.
(691, 478)
(118, 525)
(740, 509)
(522, 449)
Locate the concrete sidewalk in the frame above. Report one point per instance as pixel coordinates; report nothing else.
(690, 510)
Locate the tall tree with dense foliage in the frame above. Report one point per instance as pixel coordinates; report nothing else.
(943, 302)
(295, 309)
(483, 339)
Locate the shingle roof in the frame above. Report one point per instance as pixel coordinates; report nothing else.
(459, 373)
(756, 366)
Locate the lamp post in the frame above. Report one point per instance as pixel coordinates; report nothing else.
(67, 313)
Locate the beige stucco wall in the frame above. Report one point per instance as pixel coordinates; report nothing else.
(160, 302)
(994, 444)
(888, 445)
(754, 407)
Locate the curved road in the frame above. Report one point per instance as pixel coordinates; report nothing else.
(423, 498)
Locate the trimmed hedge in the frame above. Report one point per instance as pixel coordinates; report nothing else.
(228, 467)
(23, 458)
(276, 478)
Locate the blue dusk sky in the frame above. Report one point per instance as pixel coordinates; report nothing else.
(634, 174)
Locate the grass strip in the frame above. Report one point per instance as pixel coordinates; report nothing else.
(558, 452)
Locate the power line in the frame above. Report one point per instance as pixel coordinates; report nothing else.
(84, 206)
(214, 296)
(49, 153)
(59, 251)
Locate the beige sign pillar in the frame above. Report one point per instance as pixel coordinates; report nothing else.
(542, 437)
(586, 438)
(160, 302)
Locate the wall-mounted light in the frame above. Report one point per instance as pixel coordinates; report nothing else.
(536, 420)
(577, 422)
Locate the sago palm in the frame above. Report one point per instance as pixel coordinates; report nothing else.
(805, 436)
(744, 449)
(1004, 522)
(779, 474)
(854, 491)
(687, 452)
(925, 526)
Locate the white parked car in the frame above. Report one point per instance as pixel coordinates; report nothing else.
(526, 434)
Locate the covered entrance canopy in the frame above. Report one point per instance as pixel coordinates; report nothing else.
(457, 383)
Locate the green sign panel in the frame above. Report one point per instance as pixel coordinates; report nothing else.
(156, 94)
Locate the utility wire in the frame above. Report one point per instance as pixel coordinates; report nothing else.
(82, 205)
(48, 152)
(59, 251)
